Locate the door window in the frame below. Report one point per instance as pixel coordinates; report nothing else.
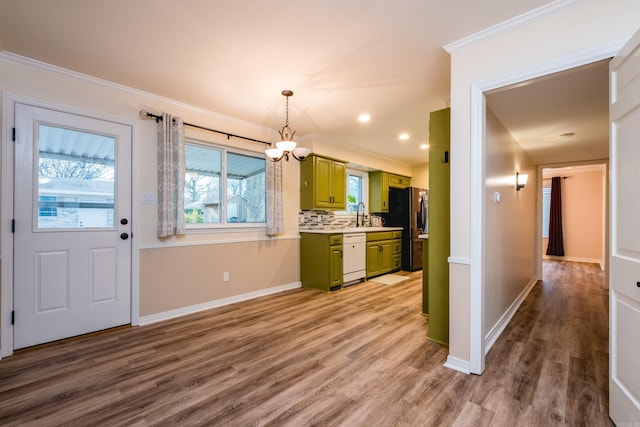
(75, 179)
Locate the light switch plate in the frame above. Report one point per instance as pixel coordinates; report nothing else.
(149, 198)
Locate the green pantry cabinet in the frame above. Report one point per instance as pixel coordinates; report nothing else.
(321, 261)
(436, 279)
(323, 183)
(379, 183)
(321, 257)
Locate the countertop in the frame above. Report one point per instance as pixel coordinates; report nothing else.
(352, 230)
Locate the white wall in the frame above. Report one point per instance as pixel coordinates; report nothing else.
(584, 32)
(420, 175)
(65, 90)
(584, 203)
(509, 225)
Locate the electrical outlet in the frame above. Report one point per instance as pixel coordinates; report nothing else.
(225, 276)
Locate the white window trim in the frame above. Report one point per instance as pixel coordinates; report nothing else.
(365, 189)
(229, 227)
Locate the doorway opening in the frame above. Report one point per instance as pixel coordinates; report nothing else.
(559, 117)
(583, 208)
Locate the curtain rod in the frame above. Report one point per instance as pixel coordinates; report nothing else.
(563, 177)
(147, 115)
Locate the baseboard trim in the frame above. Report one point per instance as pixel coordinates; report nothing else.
(500, 326)
(573, 259)
(179, 312)
(458, 365)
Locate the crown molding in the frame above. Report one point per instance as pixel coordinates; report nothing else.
(33, 63)
(512, 24)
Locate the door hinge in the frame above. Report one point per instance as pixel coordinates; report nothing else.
(13, 317)
(13, 225)
(13, 135)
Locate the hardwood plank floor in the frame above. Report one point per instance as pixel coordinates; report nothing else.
(357, 357)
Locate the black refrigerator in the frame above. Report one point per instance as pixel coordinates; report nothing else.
(409, 209)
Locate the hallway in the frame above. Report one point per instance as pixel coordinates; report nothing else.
(554, 356)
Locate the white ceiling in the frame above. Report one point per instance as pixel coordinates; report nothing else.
(559, 118)
(234, 57)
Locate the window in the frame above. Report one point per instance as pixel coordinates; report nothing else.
(357, 189)
(76, 183)
(546, 207)
(223, 186)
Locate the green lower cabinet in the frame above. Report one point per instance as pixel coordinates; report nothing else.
(386, 260)
(321, 261)
(335, 267)
(380, 253)
(396, 251)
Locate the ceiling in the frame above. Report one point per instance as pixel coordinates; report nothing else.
(341, 59)
(559, 118)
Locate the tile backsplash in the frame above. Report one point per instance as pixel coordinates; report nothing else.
(326, 220)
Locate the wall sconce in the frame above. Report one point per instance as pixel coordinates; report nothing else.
(521, 180)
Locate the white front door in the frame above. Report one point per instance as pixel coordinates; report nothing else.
(72, 246)
(624, 383)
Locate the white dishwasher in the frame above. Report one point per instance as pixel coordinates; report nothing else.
(354, 258)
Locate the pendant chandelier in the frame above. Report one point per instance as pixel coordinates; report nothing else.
(287, 145)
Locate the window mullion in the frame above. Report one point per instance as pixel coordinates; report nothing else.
(223, 190)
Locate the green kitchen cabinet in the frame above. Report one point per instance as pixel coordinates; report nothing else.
(439, 225)
(396, 251)
(323, 183)
(378, 192)
(379, 184)
(321, 261)
(425, 276)
(399, 181)
(380, 254)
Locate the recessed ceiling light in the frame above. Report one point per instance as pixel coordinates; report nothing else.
(403, 136)
(364, 118)
(424, 146)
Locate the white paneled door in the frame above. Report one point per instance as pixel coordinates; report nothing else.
(72, 245)
(624, 384)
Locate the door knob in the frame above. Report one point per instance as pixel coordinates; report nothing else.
(124, 221)
(124, 236)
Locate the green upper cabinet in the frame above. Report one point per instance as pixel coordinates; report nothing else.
(323, 183)
(399, 181)
(379, 183)
(378, 191)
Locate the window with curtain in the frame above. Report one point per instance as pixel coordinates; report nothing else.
(556, 245)
(223, 187)
(546, 205)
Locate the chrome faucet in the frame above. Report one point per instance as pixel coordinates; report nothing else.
(361, 222)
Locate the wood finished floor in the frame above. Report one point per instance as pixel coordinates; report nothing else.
(357, 357)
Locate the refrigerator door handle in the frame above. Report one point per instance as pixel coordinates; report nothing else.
(420, 214)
